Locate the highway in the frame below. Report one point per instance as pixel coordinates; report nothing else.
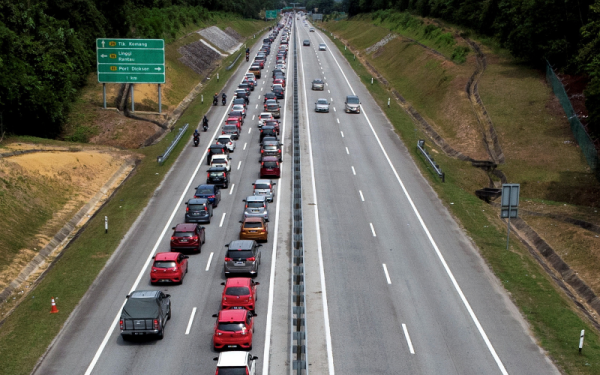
(394, 286)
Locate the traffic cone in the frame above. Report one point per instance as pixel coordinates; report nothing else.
(53, 310)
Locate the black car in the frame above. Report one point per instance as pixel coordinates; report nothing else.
(239, 101)
(210, 192)
(270, 95)
(145, 313)
(231, 130)
(275, 71)
(198, 210)
(279, 93)
(218, 176)
(242, 93)
(267, 131)
(246, 86)
(215, 149)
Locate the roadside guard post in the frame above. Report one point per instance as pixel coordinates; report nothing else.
(510, 205)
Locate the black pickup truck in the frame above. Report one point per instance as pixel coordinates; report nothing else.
(145, 313)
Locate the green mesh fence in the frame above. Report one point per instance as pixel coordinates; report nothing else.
(581, 136)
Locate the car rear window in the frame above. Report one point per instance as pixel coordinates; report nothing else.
(224, 140)
(205, 190)
(273, 107)
(270, 148)
(231, 327)
(241, 254)
(230, 127)
(255, 204)
(237, 291)
(270, 164)
(183, 234)
(232, 371)
(262, 186)
(196, 207)
(216, 173)
(165, 264)
(265, 116)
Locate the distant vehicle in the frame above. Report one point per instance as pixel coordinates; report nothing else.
(265, 131)
(188, 237)
(210, 192)
(279, 91)
(239, 108)
(274, 109)
(322, 105)
(255, 68)
(312, 29)
(216, 149)
(254, 228)
(239, 101)
(239, 292)
(322, 47)
(231, 130)
(233, 363)
(169, 267)
(352, 104)
(318, 84)
(198, 210)
(264, 116)
(270, 95)
(306, 42)
(243, 256)
(146, 312)
(271, 149)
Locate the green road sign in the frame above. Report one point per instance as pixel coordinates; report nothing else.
(130, 60)
(271, 14)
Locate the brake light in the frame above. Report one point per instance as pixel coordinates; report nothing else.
(262, 151)
(251, 259)
(205, 208)
(211, 196)
(195, 238)
(269, 186)
(173, 238)
(187, 209)
(208, 175)
(121, 324)
(227, 259)
(279, 151)
(262, 164)
(224, 174)
(155, 323)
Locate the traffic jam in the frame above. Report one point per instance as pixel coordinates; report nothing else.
(146, 312)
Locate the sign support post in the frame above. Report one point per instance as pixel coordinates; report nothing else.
(132, 101)
(159, 100)
(104, 94)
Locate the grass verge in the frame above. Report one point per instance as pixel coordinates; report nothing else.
(26, 333)
(553, 318)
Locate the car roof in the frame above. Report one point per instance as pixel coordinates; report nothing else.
(197, 201)
(256, 198)
(232, 359)
(238, 281)
(254, 219)
(204, 186)
(144, 294)
(186, 227)
(262, 181)
(166, 256)
(266, 113)
(220, 156)
(234, 315)
(270, 158)
(233, 119)
(217, 145)
(351, 97)
(217, 169)
(241, 244)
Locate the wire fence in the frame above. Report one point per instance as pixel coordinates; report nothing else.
(581, 136)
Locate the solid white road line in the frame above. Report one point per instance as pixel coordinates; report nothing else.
(222, 219)
(245, 144)
(149, 259)
(373, 230)
(269, 322)
(347, 152)
(318, 231)
(353, 171)
(232, 185)
(342, 133)
(410, 346)
(209, 260)
(189, 326)
(457, 287)
(387, 275)
(362, 198)
(239, 165)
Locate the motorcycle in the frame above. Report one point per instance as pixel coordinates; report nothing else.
(196, 140)
(247, 57)
(205, 126)
(224, 101)
(215, 101)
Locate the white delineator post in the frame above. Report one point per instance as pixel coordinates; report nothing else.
(581, 340)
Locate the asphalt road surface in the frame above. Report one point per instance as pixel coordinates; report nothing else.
(393, 285)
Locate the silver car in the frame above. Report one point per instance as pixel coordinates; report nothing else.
(256, 206)
(352, 104)
(243, 256)
(264, 188)
(318, 84)
(322, 47)
(322, 105)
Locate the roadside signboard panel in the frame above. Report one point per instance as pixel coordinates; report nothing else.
(510, 201)
(271, 14)
(130, 60)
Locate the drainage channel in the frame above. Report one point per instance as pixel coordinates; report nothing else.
(298, 353)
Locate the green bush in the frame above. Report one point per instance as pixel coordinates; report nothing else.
(459, 55)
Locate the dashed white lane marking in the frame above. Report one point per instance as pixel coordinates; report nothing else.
(362, 197)
(329, 91)
(222, 219)
(334, 109)
(340, 132)
(353, 171)
(209, 260)
(259, 96)
(331, 99)
(410, 346)
(338, 120)
(232, 185)
(239, 165)
(189, 326)
(387, 274)
(347, 152)
(249, 130)
(260, 90)
(245, 144)
(373, 230)
(253, 117)
(256, 106)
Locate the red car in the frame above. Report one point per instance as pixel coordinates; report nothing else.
(269, 167)
(239, 292)
(233, 329)
(169, 267)
(234, 121)
(279, 81)
(188, 237)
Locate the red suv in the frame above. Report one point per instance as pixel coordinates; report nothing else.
(269, 167)
(169, 267)
(239, 292)
(233, 329)
(188, 237)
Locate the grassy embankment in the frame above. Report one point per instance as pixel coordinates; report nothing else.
(26, 334)
(532, 133)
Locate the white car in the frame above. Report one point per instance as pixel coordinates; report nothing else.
(225, 139)
(239, 107)
(230, 362)
(264, 116)
(322, 47)
(221, 160)
(312, 29)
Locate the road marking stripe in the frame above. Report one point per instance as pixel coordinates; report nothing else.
(209, 260)
(256, 106)
(353, 171)
(410, 346)
(253, 117)
(334, 109)
(373, 229)
(222, 219)
(457, 287)
(342, 133)
(239, 165)
(249, 130)
(232, 185)
(245, 144)
(387, 275)
(329, 91)
(338, 120)
(347, 152)
(189, 326)
(362, 198)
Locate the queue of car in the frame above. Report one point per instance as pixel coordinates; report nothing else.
(147, 312)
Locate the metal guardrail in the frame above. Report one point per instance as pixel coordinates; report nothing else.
(437, 168)
(234, 61)
(298, 353)
(161, 159)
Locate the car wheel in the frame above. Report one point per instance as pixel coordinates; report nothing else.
(125, 338)
(169, 315)
(161, 334)
(187, 268)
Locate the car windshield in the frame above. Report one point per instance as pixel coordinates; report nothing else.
(232, 371)
(270, 164)
(255, 204)
(322, 101)
(241, 254)
(237, 291)
(204, 190)
(196, 207)
(352, 100)
(183, 234)
(317, 81)
(262, 186)
(164, 264)
(231, 326)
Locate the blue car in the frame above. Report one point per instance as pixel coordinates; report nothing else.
(210, 192)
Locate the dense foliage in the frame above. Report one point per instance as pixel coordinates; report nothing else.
(47, 48)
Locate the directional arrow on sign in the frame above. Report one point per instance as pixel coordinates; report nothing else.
(102, 44)
(159, 69)
(103, 55)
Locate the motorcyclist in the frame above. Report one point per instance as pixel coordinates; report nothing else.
(196, 136)
(205, 123)
(224, 98)
(216, 98)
